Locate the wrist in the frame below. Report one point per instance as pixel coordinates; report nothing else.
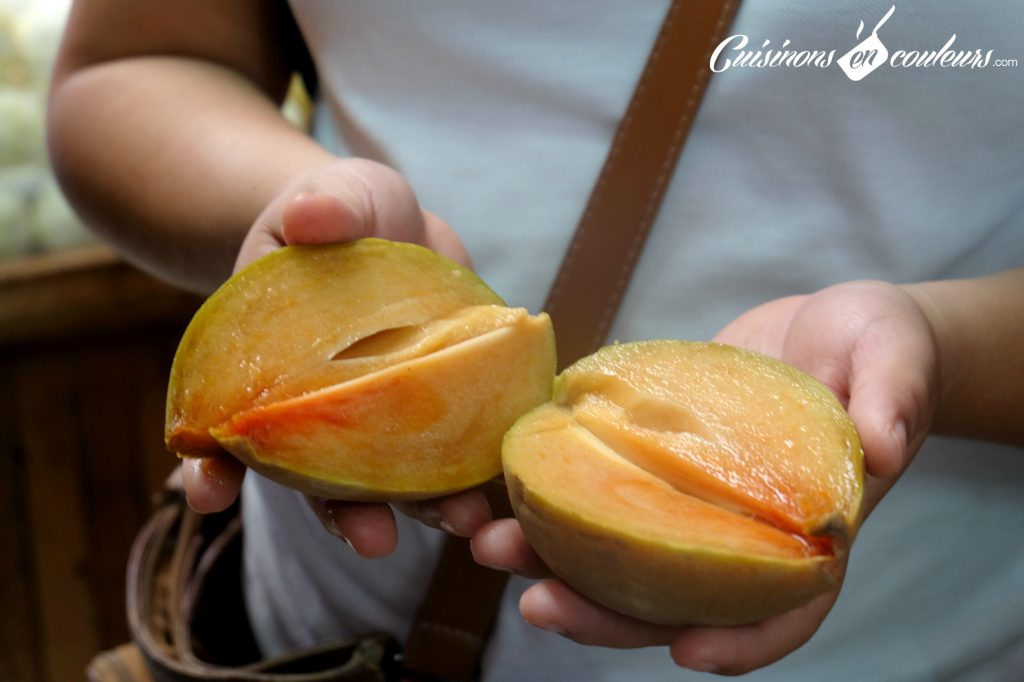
(927, 297)
(978, 325)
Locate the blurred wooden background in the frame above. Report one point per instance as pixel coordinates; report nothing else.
(86, 343)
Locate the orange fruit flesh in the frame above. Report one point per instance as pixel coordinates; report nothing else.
(684, 415)
(571, 469)
(429, 424)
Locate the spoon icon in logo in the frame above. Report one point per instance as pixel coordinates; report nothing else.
(867, 55)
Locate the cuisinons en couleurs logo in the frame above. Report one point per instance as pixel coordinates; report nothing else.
(865, 57)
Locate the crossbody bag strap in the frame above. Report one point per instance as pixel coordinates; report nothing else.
(451, 629)
(600, 259)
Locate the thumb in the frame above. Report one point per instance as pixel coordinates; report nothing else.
(890, 394)
(889, 403)
(349, 200)
(309, 218)
(872, 345)
(893, 383)
(345, 200)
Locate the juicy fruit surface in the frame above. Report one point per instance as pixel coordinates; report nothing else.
(271, 331)
(617, 490)
(748, 432)
(282, 365)
(717, 485)
(628, 540)
(424, 427)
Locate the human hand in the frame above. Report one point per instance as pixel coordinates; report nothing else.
(872, 345)
(343, 201)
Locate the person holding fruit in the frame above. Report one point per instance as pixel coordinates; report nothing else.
(849, 229)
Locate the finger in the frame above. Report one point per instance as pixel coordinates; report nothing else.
(887, 397)
(211, 484)
(871, 344)
(257, 243)
(763, 328)
(553, 606)
(440, 237)
(345, 200)
(501, 545)
(459, 514)
(894, 375)
(368, 528)
(351, 199)
(738, 650)
(321, 219)
(326, 219)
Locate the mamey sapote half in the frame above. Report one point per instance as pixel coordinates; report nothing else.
(683, 482)
(370, 370)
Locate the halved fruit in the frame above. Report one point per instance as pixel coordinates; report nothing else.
(682, 482)
(370, 370)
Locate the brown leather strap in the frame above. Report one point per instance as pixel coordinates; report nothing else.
(624, 203)
(448, 637)
(451, 629)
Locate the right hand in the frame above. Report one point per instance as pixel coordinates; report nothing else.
(872, 344)
(342, 201)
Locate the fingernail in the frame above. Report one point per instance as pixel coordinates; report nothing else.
(555, 628)
(332, 526)
(704, 667)
(431, 517)
(446, 527)
(334, 530)
(899, 430)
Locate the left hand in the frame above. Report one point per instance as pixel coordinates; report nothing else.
(339, 202)
(872, 345)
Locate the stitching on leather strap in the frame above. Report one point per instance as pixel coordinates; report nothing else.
(612, 159)
(667, 165)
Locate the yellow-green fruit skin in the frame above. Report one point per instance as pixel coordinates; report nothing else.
(365, 371)
(676, 586)
(627, 539)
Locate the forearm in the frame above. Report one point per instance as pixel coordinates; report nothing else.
(172, 159)
(979, 327)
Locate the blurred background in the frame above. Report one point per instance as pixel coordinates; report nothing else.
(33, 215)
(85, 347)
(86, 343)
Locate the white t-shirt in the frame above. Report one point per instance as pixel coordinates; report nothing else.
(794, 178)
